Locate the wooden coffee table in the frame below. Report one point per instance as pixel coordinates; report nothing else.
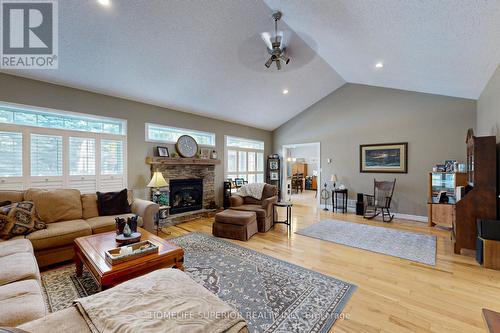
(90, 251)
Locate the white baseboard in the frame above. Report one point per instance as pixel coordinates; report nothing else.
(351, 208)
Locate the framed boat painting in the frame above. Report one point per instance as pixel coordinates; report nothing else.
(384, 158)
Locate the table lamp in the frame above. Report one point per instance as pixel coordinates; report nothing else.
(156, 182)
(333, 179)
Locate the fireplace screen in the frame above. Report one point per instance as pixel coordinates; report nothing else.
(185, 195)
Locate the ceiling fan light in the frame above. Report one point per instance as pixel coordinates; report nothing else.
(269, 62)
(278, 64)
(285, 58)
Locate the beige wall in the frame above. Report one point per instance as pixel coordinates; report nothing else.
(24, 91)
(488, 108)
(434, 127)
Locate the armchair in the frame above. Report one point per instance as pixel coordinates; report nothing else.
(380, 201)
(263, 208)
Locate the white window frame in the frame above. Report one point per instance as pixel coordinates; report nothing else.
(26, 181)
(247, 150)
(148, 139)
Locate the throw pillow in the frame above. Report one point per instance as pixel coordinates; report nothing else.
(113, 203)
(5, 203)
(18, 219)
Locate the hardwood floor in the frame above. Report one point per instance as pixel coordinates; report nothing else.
(393, 295)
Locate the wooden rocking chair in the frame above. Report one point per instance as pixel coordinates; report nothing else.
(380, 201)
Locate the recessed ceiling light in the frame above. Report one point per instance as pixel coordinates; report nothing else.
(379, 65)
(285, 91)
(105, 3)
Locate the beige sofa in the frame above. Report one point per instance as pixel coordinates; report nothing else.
(21, 297)
(68, 215)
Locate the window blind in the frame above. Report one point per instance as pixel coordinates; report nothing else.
(11, 154)
(46, 155)
(81, 156)
(111, 157)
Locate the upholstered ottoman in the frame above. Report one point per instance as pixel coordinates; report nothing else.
(235, 224)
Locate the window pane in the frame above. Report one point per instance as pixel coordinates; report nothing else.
(244, 176)
(260, 178)
(231, 161)
(251, 161)
(251, 178)
(81, 156)
(232, 177)
(46, 155)
(232, 141)
(242, 163)
(260, 161)
(171, 134)
(62, 120)
(111, 157)
(6, 116)
(11, 154)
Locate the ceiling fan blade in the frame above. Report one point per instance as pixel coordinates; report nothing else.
(266, 37)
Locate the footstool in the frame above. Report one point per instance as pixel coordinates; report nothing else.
(235, 224)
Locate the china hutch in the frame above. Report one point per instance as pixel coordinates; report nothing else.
(479, 201)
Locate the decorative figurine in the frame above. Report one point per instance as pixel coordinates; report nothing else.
(120, 225)
(132, 222)
(126, 231)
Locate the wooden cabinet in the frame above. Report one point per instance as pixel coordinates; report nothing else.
(480, 201)
(443, 214)
(299, 168)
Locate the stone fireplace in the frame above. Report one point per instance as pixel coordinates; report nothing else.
(186, 195)
(177, 172)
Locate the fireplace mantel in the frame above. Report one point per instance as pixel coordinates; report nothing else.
(155, 160)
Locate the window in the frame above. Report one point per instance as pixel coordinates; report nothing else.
(11, 154)
(81, 156)
(111, 157)
(52, 149)
(244, 159)
(46, 155)
(160, 133)
(60, 120)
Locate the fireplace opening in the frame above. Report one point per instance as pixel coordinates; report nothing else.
(185, 195)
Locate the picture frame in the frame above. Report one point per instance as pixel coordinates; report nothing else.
(273, 165)
(162, 151)
(383, 158)
(205, 153)
(274, 176)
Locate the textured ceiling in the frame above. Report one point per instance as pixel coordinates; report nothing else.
(206, 57)
(203, 57)
(446, 47)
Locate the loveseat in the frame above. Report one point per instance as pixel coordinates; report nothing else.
(263, 207)
(69, 214)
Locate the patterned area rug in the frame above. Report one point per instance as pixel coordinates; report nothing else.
(272, 295)
(402, 244)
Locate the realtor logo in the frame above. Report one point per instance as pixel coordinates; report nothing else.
(29, 38)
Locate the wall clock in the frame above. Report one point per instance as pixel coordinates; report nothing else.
(186, 146)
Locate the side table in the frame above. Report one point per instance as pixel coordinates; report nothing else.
(344, 194)
(288, 206)
(161, 217)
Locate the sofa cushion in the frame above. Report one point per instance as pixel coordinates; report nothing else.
(236, 217)
(5, 203)
(15, 246)
(21, 302)
(59, 234)
(89, 206)
(68, 320)
(17, 267)
(113, 203)
(107, 223)
(12, 196)
(261, 212)
(56, 205)
(18, 219)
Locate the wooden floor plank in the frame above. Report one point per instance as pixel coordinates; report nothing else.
(393, 295)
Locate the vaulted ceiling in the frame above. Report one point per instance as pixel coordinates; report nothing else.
(206, 57)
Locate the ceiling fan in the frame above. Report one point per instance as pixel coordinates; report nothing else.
(275, 43)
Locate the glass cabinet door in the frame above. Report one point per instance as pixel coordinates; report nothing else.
(443, 181)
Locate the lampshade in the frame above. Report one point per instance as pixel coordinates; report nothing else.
(157, 180)
(333, 178)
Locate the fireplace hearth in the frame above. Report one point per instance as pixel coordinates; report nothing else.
(185, 195)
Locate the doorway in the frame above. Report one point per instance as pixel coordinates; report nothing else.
(302, 173)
